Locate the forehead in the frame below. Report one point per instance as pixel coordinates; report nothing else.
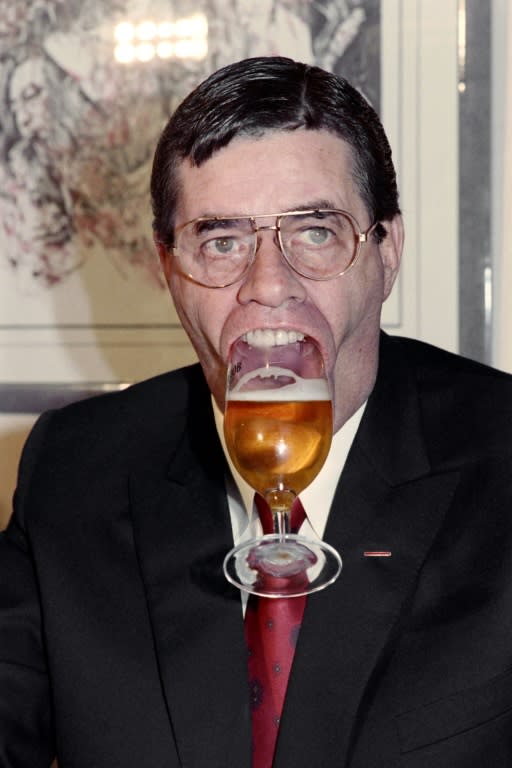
(279, 171)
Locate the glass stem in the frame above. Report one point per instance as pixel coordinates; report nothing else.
(281, 522)
(280, 502)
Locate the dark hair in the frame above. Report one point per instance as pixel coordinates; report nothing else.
(260, 95)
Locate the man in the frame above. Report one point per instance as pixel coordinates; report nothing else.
(122, 643)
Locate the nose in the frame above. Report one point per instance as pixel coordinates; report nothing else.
(270, 280)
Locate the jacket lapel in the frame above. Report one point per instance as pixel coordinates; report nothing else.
(388, 498)
(182, 531)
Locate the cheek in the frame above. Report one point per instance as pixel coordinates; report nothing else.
(331, 304)
(200, 311)
(351, 303)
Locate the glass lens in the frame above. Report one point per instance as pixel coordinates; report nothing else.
(215, 252)
(319, 245)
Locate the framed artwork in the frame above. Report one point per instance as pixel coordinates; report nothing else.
(86, 89)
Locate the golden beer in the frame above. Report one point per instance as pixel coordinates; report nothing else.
(278, 444)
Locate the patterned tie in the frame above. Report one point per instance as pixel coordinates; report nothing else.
(271, 629)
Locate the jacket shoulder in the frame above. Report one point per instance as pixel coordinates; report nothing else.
(104, 435)
(143, 406)
(466, 405)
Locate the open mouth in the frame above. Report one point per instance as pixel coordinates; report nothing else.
(268, 337)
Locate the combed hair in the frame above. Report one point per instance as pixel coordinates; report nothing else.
(265, 94)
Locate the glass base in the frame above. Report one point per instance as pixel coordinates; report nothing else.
(277, 566)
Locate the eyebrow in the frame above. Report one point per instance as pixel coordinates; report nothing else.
(315, 204)
(211, 222)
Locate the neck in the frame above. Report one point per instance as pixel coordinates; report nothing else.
(355, 374)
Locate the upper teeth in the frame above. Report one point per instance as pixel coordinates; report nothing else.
(267, 337)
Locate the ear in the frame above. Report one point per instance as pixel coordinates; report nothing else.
(164, 256)
(391, 252)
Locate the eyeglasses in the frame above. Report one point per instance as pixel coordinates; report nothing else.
(318, 244)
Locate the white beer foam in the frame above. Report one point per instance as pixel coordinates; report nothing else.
(298, 390)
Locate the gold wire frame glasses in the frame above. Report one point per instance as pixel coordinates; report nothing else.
(319, 244)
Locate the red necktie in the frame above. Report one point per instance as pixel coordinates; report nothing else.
(271, 629)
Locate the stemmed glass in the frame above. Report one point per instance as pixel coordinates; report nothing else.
(278, 430)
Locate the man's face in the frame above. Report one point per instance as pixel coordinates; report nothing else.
(29, 99)
(285, 171)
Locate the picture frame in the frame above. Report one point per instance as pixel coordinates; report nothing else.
(82, 297)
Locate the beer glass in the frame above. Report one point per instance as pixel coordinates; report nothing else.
(278, 430)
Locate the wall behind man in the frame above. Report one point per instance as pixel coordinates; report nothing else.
(476, 260)
(13, 432)
(501, 191)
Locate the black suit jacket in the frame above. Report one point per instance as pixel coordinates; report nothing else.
(121, 644)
